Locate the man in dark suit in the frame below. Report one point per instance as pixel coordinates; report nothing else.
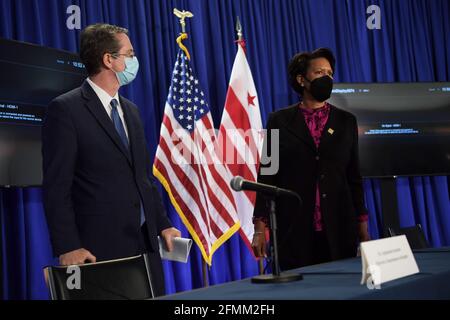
(99, 198)
(318, 159)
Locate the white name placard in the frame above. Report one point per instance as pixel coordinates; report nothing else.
(386, 259)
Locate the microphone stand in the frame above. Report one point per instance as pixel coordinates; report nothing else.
(276, 276)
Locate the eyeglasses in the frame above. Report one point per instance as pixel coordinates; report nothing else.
(128, 55)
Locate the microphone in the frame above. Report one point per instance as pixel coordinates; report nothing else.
(239, 184)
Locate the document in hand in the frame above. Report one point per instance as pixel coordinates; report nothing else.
(180, 251)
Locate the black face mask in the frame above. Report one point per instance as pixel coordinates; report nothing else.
(320, 88)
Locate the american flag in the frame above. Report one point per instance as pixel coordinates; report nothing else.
(240, 135)
(187, 165)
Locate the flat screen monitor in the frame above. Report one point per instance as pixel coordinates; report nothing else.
(32, 76)
(404, 128)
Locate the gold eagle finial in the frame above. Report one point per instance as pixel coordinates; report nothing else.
(182, 15)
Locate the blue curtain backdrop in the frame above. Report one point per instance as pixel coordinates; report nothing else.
(413, 44)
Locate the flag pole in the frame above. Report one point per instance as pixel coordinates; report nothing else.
(261, 265)
(205, 274)
(182, 15)
(240, 35)
(240, 41)
(239, 29)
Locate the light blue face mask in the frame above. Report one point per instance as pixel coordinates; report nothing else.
(130, 72)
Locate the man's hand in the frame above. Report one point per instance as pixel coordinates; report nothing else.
(168, 234)
(363, 232)
(78, 256)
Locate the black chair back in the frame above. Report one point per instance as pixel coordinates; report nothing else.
(121, 279)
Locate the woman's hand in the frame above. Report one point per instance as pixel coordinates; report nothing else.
(363, 232)
(259, 244)
(259, 238)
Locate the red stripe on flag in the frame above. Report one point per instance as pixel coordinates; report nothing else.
(224, 185)
(189, 186)
(184, 208)
(194, 194)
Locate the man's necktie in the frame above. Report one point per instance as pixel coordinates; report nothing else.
(123, 136)
(118, 122)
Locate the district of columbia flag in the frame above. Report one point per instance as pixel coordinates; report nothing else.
(241, 138)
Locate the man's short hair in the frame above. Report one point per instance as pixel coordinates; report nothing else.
(299, 65)
(95, 41)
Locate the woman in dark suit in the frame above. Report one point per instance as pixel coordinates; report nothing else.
(318, 159)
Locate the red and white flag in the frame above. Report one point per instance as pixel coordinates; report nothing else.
(240, 137)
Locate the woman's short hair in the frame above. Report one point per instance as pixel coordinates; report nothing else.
(299, 65)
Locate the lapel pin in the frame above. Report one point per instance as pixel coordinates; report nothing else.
(330, 131)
